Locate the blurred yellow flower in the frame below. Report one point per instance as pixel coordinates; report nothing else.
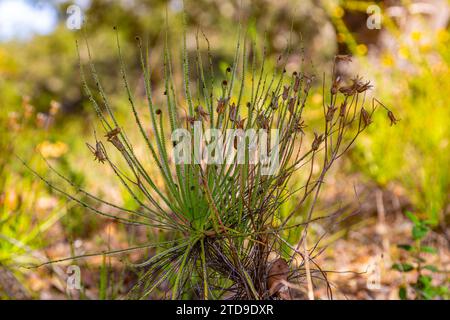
(443, 36)
(387, 60)
(404, 52)
(338, 12)
(361, 49)
(52, 150)
(426, 48)
(317, 98)
(416, 35)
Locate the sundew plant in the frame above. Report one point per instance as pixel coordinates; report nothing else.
(226, 235)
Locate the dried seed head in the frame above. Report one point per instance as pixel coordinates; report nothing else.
(348, 90)
(117, 143)
(299, 126)
(308, 84)
(318, 139)
(366, 117)
(291, 105)
(335, 86)
(224, 83)
(297, 84)
(343, 109)
(202, 114)
(285, 94)
(229, 69)
(233, 112)
(221, 104)
(330, 113)
(359, 85)
(190, 120)
(158, 112)
(364, 87)
(113, 133)
(240, 123)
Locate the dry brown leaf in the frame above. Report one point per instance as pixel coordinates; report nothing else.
(278, 274)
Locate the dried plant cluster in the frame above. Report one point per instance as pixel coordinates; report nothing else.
(224, 221)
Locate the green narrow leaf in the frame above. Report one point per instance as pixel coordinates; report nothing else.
(103, 279)
(406, 247)
(419, 232)
(402, 293)
(412, 217)
(431, 268)
(402, 267)
(428, 249)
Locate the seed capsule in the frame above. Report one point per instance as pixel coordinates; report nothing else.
(240, 123)
(285, 94)
(343, 109)
(202, 113)
(335, 86)
(291, 105)
(190, 120)
(348, 90)
(366, 117)
(318, 139)
(113, 133)
(299, 126)
(233, 112)
(297, 84)
(117, 143)
(330, 113)
(221, 104)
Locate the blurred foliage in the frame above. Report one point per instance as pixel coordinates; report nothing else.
(413, 77)
(26, 208)
(425, 286)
